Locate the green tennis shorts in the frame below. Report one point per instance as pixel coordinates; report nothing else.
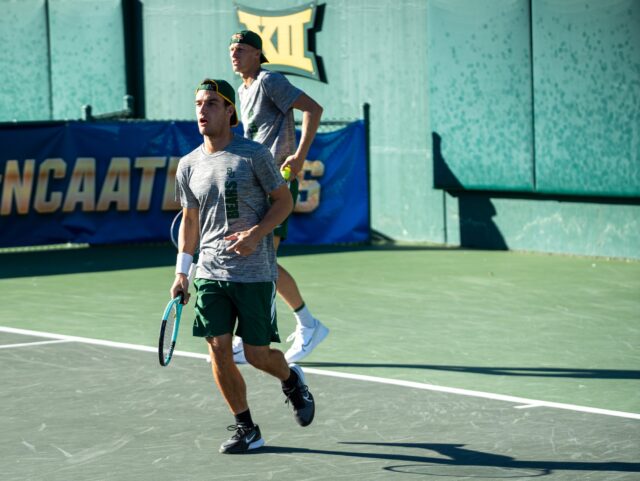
(282, 229)
(219, 304)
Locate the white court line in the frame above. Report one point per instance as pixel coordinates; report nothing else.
(528, 406)
(522, 402)
(98, 342)
(479, 394)
(36, 343)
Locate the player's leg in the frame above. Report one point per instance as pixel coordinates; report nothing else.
(286, 284)
(214, 320)
(258, 327)
(266, 359)
(231, 384)
(226, 374)
(291, 377)
(309, 331)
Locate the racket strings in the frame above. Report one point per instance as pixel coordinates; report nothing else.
(167, 341)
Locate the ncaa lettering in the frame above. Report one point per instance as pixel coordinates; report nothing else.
(58, 185)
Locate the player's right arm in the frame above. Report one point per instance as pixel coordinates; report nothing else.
(245, 242)
(188, 240)
(311, 114)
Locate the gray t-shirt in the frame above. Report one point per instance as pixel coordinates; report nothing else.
(267, 115)
(230, 189)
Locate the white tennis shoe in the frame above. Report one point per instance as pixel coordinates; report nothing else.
(238, 350)
(305, 339)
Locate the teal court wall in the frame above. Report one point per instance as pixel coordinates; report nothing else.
(58, 55)
(493, 124)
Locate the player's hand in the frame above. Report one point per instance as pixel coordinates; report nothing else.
(180, 286)
(294, 163)
(243, 243)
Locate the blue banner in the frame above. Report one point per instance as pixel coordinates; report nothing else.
(333, 204)
(113, 182)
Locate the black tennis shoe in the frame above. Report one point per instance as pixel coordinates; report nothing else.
(245, 439)
(300, 399)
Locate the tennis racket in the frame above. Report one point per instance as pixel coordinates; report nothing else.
(174, 231)
(170, 325)
(169, 330)
(175, 228)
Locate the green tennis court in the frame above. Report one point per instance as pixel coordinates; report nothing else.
(441, 364)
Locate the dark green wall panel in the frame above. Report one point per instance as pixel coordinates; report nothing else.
(24, 62)
(184, 42)
(587, 96)
(87, 52)
(480, 93)
(482, 220)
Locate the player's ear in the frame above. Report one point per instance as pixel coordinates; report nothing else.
(231, 111)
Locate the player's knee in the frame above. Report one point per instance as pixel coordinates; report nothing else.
(256, 356)
(219, 349)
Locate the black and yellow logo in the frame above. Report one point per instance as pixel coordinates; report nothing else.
(285, 37)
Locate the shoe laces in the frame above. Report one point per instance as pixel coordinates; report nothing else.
(298, 335)
(296, 395)
(240, 430)
(294, 335)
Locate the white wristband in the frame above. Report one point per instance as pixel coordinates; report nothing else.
(183, 263)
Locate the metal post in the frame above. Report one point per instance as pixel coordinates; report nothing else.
(127, 104)
(49, 58)
(132, 20)
(367, 124)
(86, 113)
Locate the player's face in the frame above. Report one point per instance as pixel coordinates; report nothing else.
(244, 58)
(212, 114)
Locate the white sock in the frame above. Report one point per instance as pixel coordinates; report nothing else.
(304, 317)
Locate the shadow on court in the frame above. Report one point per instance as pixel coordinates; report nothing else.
(89, 411)
(75, 260)
(379, 244)
(457, 455)
(496, 371)
(29, 263)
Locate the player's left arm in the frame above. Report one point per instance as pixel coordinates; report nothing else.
(311, 114)
(247, 241)
(188, 240)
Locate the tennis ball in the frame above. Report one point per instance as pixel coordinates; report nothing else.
(286, 173)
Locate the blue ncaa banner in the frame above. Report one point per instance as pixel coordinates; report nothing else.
(333, 203)
(113, 182)
(96, 183)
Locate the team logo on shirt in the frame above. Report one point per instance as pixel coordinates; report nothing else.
(286, 38)
(231, 195)
(252, 127)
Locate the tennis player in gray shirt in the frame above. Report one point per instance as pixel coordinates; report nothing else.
(267, 102)
(232, 198)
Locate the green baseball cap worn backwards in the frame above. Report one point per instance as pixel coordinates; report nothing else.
(249, 38)
(224, 90)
